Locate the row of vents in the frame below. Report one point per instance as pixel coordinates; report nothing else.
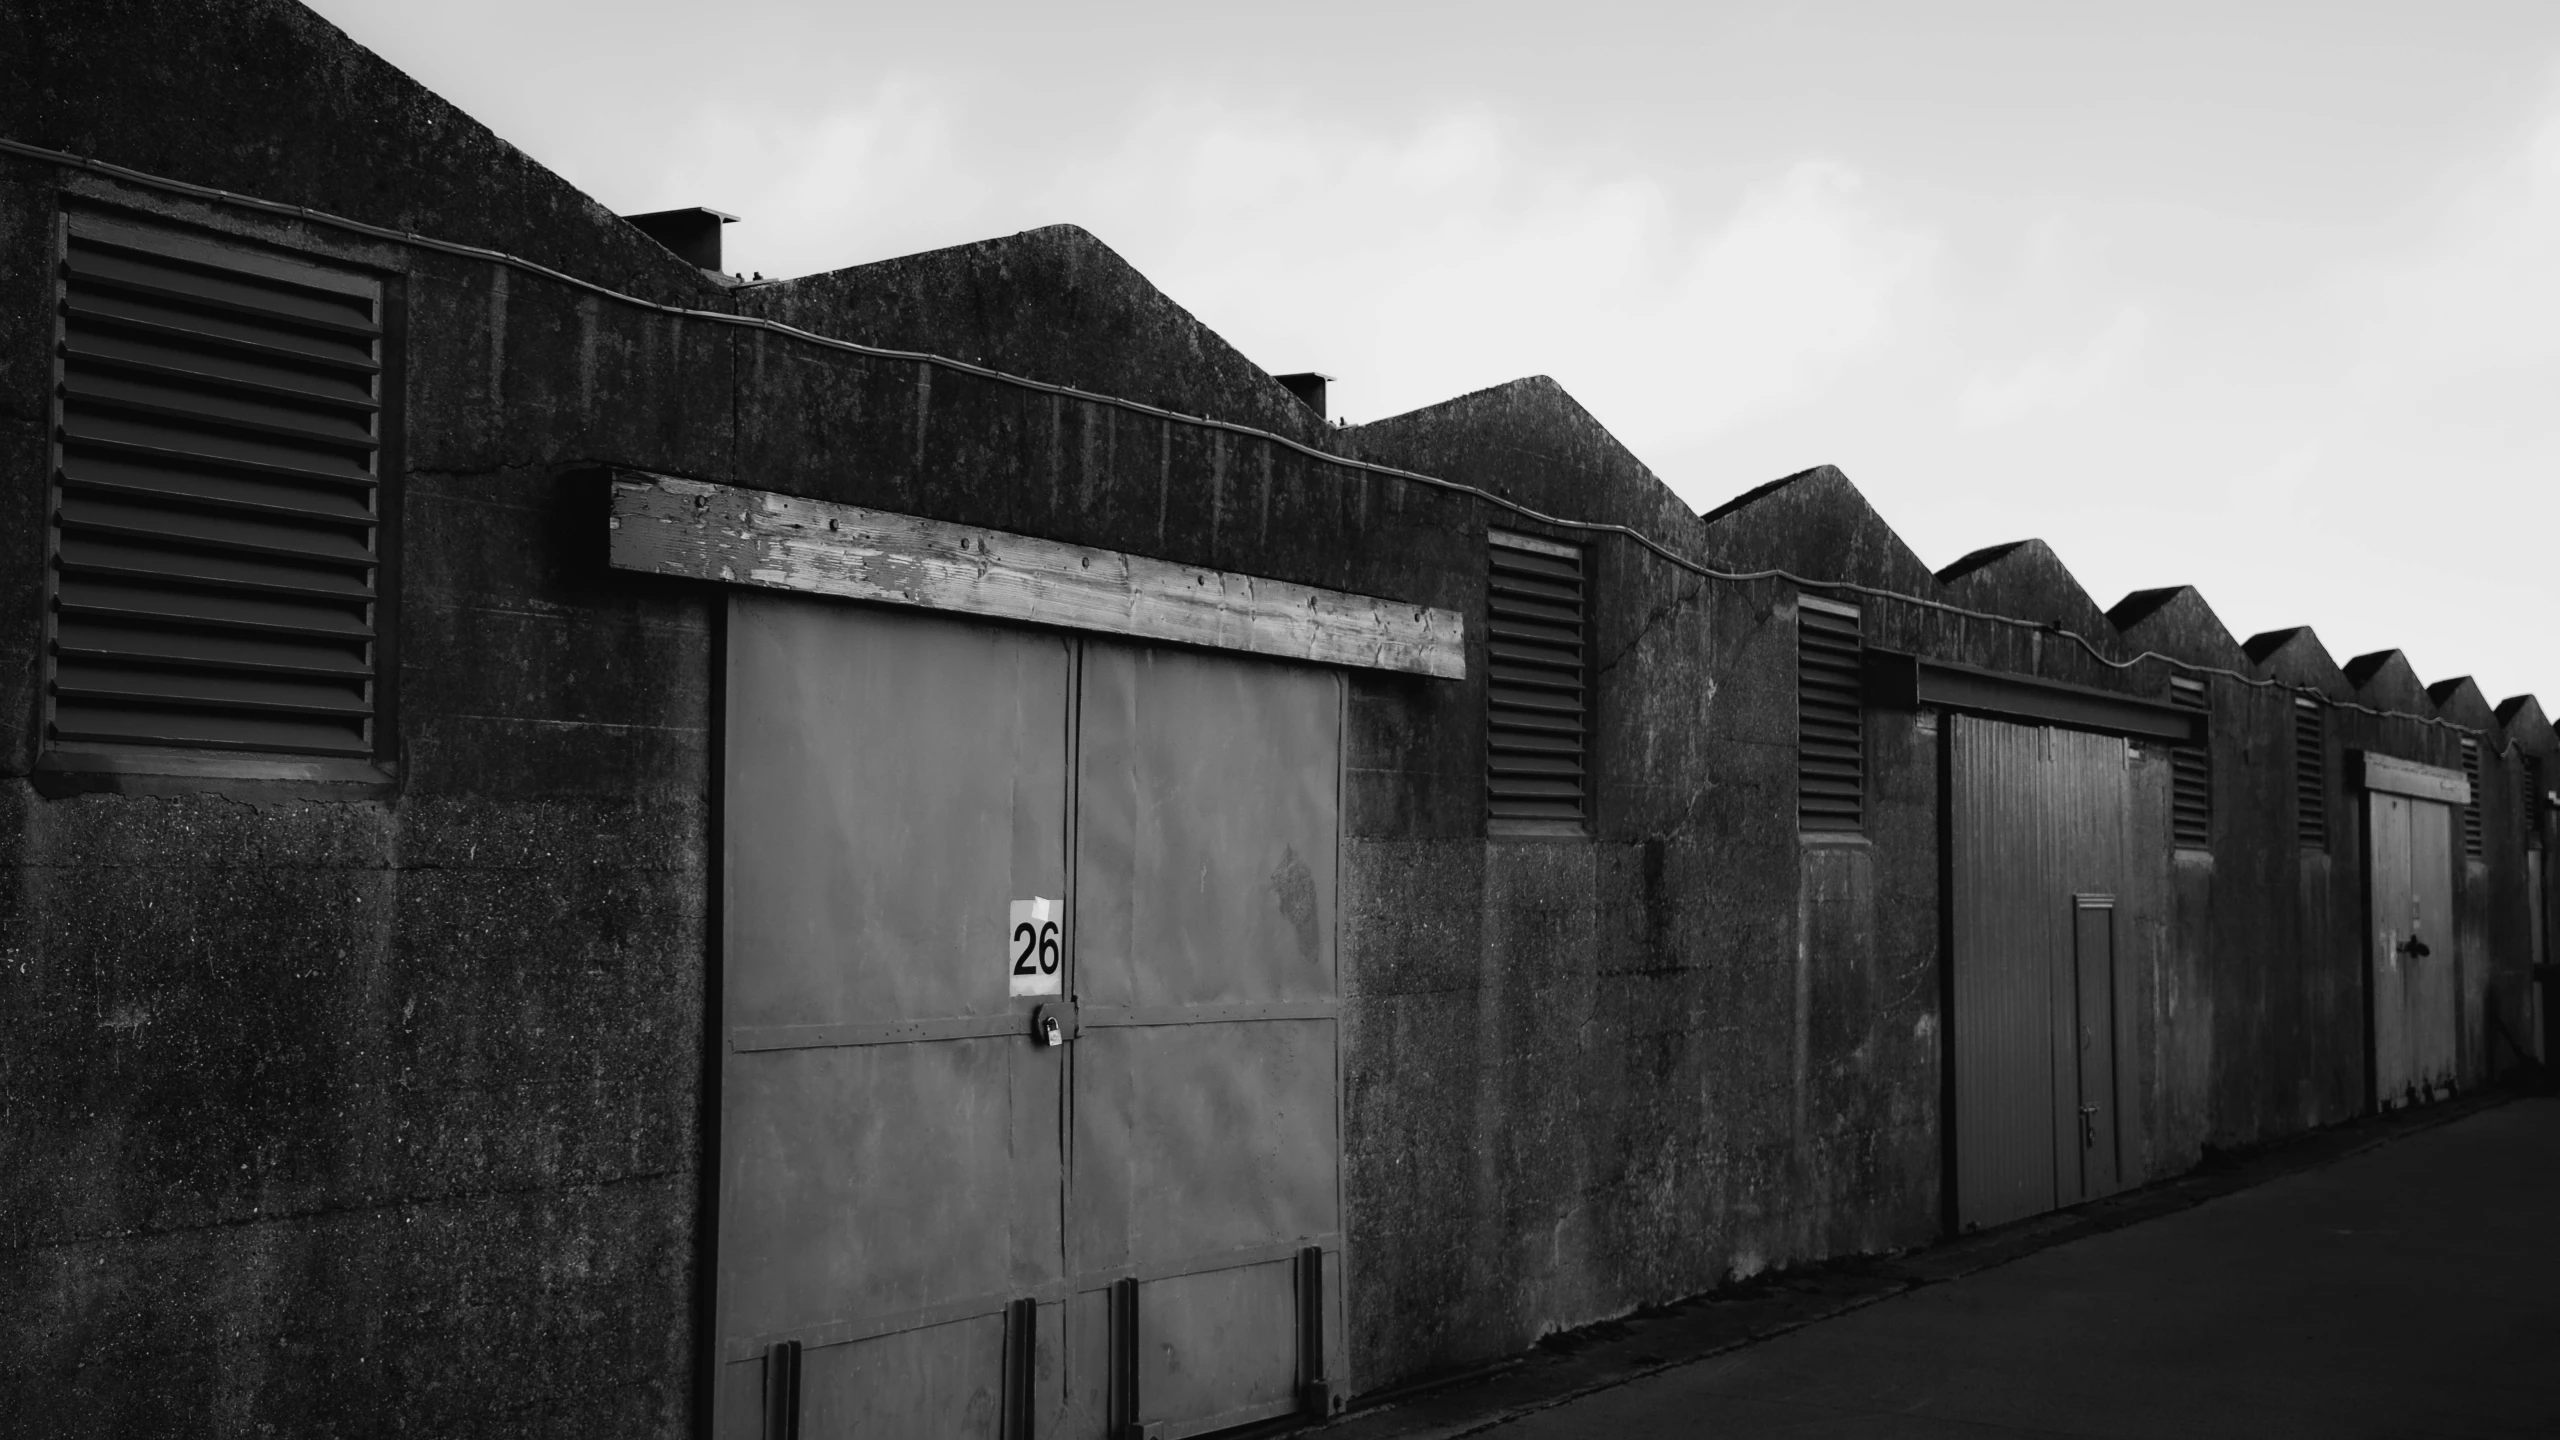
(218, 552)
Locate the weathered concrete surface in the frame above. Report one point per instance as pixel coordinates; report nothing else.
(2411, 1289)
(289, 1089)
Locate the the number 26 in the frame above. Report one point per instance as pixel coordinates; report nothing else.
(1039, 948)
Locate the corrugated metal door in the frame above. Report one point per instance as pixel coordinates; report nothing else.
(2413, 971)
(2037, 848)
(2001, 835)
(889, 1137)
(1204, 1169)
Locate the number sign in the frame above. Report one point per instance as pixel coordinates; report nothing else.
(1031, 955)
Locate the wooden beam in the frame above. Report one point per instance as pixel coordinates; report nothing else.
(2394, 776)
(732, 535)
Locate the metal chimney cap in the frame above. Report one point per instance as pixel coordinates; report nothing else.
(692, 232)
(1308, 386)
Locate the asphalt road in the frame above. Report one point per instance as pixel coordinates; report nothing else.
(2409, 1290)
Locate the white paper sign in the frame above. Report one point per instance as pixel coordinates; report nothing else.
(1031, 955)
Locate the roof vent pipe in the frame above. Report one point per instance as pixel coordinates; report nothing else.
(693, 232)
(1308, 386)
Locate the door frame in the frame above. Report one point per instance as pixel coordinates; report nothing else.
(2378, 774)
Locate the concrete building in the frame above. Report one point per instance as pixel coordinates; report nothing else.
(596, 849)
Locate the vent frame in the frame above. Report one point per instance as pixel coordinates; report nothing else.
(221, 538)
(1831, 740)
(2475, 830)
(2310, 773)
(1538, 702)
(2191, 770)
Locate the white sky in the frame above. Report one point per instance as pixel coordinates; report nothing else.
(2263, 299)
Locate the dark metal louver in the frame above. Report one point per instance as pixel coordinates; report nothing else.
(216, 517)
(2474, 835)
(1536, 707)
(2310, 773)
(1831, 783)
(2190, 774)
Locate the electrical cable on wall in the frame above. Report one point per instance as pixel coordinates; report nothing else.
(1138, 407)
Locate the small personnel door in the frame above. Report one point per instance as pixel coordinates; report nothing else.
(2412, 980)
(937, 1217)
(2094, 951)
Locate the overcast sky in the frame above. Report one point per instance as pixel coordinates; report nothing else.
(2261, 298)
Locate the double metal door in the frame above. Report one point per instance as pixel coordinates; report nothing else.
(947, 1208)
(2412, 960)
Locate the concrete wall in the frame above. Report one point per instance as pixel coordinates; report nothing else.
(380, 1111)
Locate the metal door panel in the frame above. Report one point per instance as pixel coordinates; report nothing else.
(2390, 900)
(1197, 1141)
(2435, 979)
(2095, 949)
(1218, 1348)
(942, 1380)
(1085, 1352)
(916, 1142)
(888, 1145)
(1205, 1124)
(894, 780)
(1206, 795)
(2001, 836)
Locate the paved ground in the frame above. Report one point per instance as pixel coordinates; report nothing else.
(2412, 1288)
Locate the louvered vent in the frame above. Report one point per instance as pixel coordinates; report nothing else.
(2190, 774)
(2474, 838)
(2310, 774)
(1536, 705)
(1831, 760)
(216, 515)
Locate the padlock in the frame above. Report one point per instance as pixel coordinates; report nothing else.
(1050, 1033)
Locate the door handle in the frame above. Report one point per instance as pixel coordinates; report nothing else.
(2088, 1127)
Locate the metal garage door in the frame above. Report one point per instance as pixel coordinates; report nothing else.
(2037, 837)
(2412, 970)
(931, 1222)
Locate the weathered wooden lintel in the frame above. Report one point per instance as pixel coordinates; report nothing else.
(733, 535)
(2394, 776)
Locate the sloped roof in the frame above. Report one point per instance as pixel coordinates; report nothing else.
(1815, 523)
(2296, 656)
(205, 90)
(2386, 680)
(2026, 579)
(2460, 701)
(1530, 441)
(2525, 723)
(2176, 621)
(1053, 304)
